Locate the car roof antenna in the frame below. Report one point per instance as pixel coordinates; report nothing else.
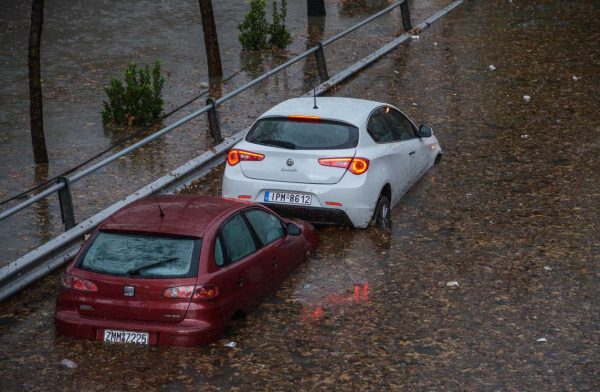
(162, 214)
(315, 97)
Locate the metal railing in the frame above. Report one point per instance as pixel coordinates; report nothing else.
(63, 185)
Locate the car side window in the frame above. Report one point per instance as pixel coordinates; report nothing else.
(378, 128)
(237, 238)
(219, 257)
(401, 126)
(267, 226)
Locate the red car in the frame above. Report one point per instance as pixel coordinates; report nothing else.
(175, 269)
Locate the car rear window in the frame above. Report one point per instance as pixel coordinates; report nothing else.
(146, 256)
(303, 135)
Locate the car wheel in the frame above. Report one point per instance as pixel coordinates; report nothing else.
(382, 217)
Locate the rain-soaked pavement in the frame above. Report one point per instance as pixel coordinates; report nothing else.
(511, 214)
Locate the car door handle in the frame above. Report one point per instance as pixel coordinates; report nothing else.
(240, 282)
(411, 153)
(274, 262)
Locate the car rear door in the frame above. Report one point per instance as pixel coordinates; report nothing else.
(131, 299)
(292, 147)
(124, 293)
(244, 271)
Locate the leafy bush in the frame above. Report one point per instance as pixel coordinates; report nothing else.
(254, 28)
(138, 101)
(280, 37)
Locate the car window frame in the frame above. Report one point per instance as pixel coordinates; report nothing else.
(414, 128)
(227, 257)
(373, 112)
(194, 263)
(323, 120)
(254, 231)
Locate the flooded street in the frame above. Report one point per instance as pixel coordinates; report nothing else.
(86, 43)
(511, 214)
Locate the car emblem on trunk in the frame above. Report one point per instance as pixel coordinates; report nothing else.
(290, 162)
(128, 291)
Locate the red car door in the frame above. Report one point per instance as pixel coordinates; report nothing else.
(243, 272)
(280, 253)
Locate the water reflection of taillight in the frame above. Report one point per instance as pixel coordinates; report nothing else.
(312, 314)
(207, 291)
(235, 156)
(361, 292)
(77, 283)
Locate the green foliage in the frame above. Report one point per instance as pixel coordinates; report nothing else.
(138, 101)
(254, 28)
(280, 37)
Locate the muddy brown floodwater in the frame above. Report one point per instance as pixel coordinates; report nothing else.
(512, 214)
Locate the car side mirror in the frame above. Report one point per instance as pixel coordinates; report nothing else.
(425, 131)
(293, 229)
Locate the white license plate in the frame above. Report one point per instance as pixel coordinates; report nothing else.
(116, 336)
(287, 197)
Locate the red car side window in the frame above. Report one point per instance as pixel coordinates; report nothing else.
(237, 239)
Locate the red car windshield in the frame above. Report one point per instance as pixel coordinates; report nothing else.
(145, 256)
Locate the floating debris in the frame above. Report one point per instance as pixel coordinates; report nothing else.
(547, 268)
(452, 283)
(541, 340)
(414, 37)
(524, 136)
(68, 363)
(492, 68)
(526, 98)
(231, 344)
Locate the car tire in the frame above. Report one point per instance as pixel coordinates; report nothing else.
(382, 216)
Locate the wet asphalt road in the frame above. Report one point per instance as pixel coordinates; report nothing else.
(511, 214)
(86, 43)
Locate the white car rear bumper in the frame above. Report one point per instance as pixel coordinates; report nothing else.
(353, 196)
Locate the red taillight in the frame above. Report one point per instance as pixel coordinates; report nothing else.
(235, 156)
(354, 165)
(207, 291)
(77, 283)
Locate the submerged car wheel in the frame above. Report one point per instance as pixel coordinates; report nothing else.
(382, 217)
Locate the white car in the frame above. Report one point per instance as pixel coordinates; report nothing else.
(330, 160)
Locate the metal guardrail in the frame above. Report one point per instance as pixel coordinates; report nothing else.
(59, 250)
(63, 185)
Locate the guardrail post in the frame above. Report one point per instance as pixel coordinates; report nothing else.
(321, 63)
(66, 203)
(405, 15)
(213, 121)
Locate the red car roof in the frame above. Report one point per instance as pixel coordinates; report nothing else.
(184, 215)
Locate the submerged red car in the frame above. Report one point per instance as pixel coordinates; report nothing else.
(175, 269)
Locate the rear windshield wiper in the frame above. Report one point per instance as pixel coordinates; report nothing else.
(136, 270)
(278, 143)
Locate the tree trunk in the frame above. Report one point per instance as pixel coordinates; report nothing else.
(35, 84)
(211, 42)
(316, 7)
